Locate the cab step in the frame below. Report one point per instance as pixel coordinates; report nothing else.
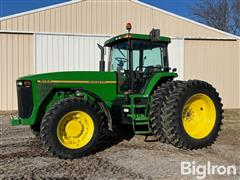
(141, 124)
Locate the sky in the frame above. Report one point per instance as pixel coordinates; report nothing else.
(9, 7)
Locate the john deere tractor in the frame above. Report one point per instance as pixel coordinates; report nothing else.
(71, 110)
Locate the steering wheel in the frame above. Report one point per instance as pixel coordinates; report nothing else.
(121, 59)
(139, 67)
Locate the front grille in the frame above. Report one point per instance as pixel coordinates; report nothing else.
(25, 101)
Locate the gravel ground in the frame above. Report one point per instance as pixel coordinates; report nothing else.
(22, 156)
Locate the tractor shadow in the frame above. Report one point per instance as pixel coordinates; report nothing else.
(110, 138)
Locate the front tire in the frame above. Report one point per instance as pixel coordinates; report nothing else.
(72, 128)
(192, 115)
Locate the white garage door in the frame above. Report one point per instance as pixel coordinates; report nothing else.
(176, 56)
(81, 53)
(67, 52)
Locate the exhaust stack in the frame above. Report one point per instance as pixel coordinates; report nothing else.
(101, 62)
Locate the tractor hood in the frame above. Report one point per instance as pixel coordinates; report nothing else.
(102, 84)
(68, 77)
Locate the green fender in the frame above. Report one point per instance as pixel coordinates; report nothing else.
(156, 79)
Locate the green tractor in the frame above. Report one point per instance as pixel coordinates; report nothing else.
(72, 110)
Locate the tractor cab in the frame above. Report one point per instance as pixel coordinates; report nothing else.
(140, 61)
(136, 57)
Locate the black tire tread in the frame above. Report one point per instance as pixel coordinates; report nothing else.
(159, 97)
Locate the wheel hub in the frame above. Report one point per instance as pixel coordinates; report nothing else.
(75, 129)
(199, 116)
(188, 114)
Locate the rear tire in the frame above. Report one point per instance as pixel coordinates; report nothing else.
(192, 115)
(72, 128)
(159, 97)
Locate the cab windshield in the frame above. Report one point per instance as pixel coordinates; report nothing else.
(144, 53)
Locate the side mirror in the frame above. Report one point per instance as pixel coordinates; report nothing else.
(174, 70)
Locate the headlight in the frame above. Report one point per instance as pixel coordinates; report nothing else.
(27, 83)
(19, 83)
(24, 83)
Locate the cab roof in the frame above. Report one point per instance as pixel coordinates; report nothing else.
(115, 39)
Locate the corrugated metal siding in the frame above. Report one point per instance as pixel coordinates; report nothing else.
(16, 58)
(106, 17)
(176, 56)
(67, 52)
(218, 63)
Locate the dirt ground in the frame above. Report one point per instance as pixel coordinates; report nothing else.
(22, 156)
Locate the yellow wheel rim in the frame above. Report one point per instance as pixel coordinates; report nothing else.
(75, 129)
(199, 116)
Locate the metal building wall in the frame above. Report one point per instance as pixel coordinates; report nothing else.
(176, 56)
(107, 17)
(67, 52)
(16, 59)
(218, 63)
